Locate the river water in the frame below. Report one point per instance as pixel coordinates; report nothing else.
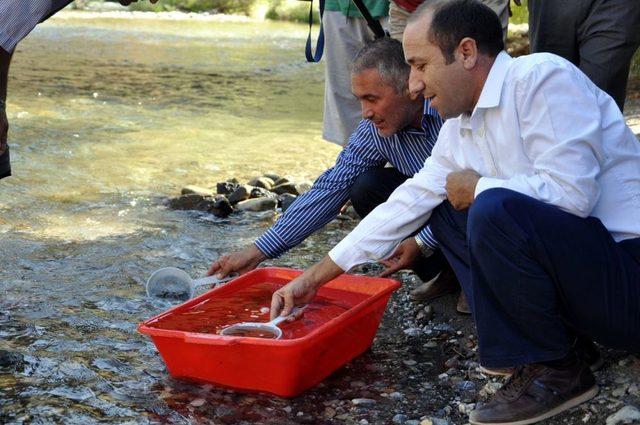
(108, 118)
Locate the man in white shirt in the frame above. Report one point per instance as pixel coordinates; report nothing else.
(533, 189)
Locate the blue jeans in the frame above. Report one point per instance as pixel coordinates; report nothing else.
(534, 275)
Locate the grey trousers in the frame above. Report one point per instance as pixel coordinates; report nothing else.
(598, 36)
(343, 38)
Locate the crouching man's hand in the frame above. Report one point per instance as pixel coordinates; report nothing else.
(303, 289)
(402, 258)
(461, 188)
(237, 262)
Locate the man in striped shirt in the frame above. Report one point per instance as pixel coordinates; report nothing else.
(17, 19)
(397, 130)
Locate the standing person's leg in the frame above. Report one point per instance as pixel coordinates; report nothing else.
(534, 268)
(608, 39)
(501, 7)
(553, 26)
(397, 20)
(344, 37)
(373, 188)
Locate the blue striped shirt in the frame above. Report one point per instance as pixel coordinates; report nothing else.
(406, 151)
(19, 17)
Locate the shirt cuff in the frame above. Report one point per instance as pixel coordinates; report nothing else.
(271, 244)
(344, 257)
(486, 183)
(426, 236)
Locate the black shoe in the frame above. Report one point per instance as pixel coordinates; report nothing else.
(536, 392)
(588, 352)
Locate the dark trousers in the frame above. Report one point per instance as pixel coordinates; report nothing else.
(535, 275)
(5, 164)
(373, 188)
(598, 36)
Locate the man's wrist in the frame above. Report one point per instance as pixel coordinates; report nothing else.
(424, 249)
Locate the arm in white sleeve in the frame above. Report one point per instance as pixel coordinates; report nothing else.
(406, 210)
(559, 122)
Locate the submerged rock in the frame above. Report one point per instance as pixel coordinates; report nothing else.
(191, 201)
(222, 207)
(259, 192)
(10, 360)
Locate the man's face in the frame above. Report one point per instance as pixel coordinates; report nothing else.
(447, 85)
(388, 110)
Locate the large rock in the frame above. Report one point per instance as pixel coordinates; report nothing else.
(219, 206)
(228, 187)
(626, 415)
(259, 192)
(11, 361)
(197, 190)
(272, 176)
(243, 192)
(286, 188)
(192, 201)
(257, 204)
(281, 180)
(263, 182)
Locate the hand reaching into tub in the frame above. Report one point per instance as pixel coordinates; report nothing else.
(303, 289)
(237, 262)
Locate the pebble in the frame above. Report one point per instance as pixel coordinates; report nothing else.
(198, 402)
(412, 422)
(287, 409)
(396, 395)
(430, 344)
(626, 415)
(399, 418)
(410, 362)
(197, 190)
(413, 331)
(363, 401)
(443, 377)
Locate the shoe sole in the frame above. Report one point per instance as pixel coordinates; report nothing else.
(586, 396)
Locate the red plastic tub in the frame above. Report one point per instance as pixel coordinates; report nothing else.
(284, 367)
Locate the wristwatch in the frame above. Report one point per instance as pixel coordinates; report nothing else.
(424, 249)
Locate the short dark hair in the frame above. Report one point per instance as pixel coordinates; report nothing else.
(385, 55)
(454, 20)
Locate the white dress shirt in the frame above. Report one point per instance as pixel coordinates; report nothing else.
(541, 128)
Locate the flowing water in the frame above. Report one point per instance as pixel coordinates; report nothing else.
(108, 118)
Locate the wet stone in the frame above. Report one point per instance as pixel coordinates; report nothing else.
(11, 361)
(286, 200)
(196, 190)
(258, 192)
(262, 182)
(240, 194)
(225, 188)
(258, 204)
(626, 415)
(221, 207)
(192, 202)
(363, 401)
(286, 188)
(399, 418)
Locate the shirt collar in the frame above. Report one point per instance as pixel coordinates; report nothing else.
(490, 95)
(428, 110)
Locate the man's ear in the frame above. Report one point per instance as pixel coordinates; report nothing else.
(468, 50)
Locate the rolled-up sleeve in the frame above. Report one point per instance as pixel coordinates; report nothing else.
(406, 210)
